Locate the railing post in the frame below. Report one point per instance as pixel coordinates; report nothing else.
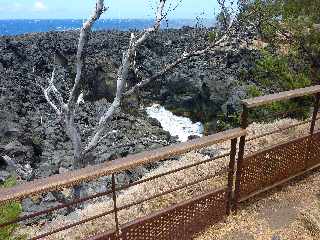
(312, 126)
(244, 117)
(114, 196)
(244, 125)
(315, 112)
(231, 172)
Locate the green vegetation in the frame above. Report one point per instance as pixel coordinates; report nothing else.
(253, 91)
(36, 140)
(228, 122)
(298, 109)
(212, 36)
(292, 32)
(9, 212)
(278, 72)
(290, 56)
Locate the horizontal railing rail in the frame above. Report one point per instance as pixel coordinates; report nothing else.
(171, 172)
(72, 178)
(263, 100)
(279, 145)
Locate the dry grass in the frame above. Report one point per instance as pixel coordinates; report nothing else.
(170, 181)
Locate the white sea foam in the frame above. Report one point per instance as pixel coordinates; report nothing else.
(177, 126)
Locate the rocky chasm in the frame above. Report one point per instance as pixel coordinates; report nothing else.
(33, 143)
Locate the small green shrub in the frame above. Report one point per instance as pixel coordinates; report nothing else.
(281, 72)
(275, 73)
(296, 108)
(253, 91)
(36, 140)
(212, 36)
(9, 212)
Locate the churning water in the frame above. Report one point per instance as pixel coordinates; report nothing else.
(182, 127)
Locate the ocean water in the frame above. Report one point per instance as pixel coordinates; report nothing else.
(181, 127)
(15, 27)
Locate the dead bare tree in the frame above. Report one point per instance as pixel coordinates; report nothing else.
(67, 110)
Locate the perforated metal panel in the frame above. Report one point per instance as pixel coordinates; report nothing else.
(271, 166)
(314, 150)
(179, 222)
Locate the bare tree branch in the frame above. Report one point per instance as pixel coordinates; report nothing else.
(74, 134)
(121, 80)
(46, 92)
(56, 92)
(68, 110)
(180, 60)
(123, 75)
(159, 17)
(83, 40)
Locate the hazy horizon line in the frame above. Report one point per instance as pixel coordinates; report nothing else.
(1, 19)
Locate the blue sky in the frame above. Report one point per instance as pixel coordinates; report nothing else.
(79, 9)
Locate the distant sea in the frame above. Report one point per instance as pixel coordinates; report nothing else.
(15, 27)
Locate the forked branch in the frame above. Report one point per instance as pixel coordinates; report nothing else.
(122, 76)
(185, 56)
(67, 110)
(83, 40)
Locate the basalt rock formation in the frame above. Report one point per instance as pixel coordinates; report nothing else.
(32, 137)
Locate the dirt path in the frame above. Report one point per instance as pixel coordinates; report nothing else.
(290, 212)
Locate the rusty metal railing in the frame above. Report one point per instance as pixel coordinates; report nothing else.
(270, 158)
(91, 173)
(185, 218)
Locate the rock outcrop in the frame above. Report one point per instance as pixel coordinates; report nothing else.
(33, 138)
